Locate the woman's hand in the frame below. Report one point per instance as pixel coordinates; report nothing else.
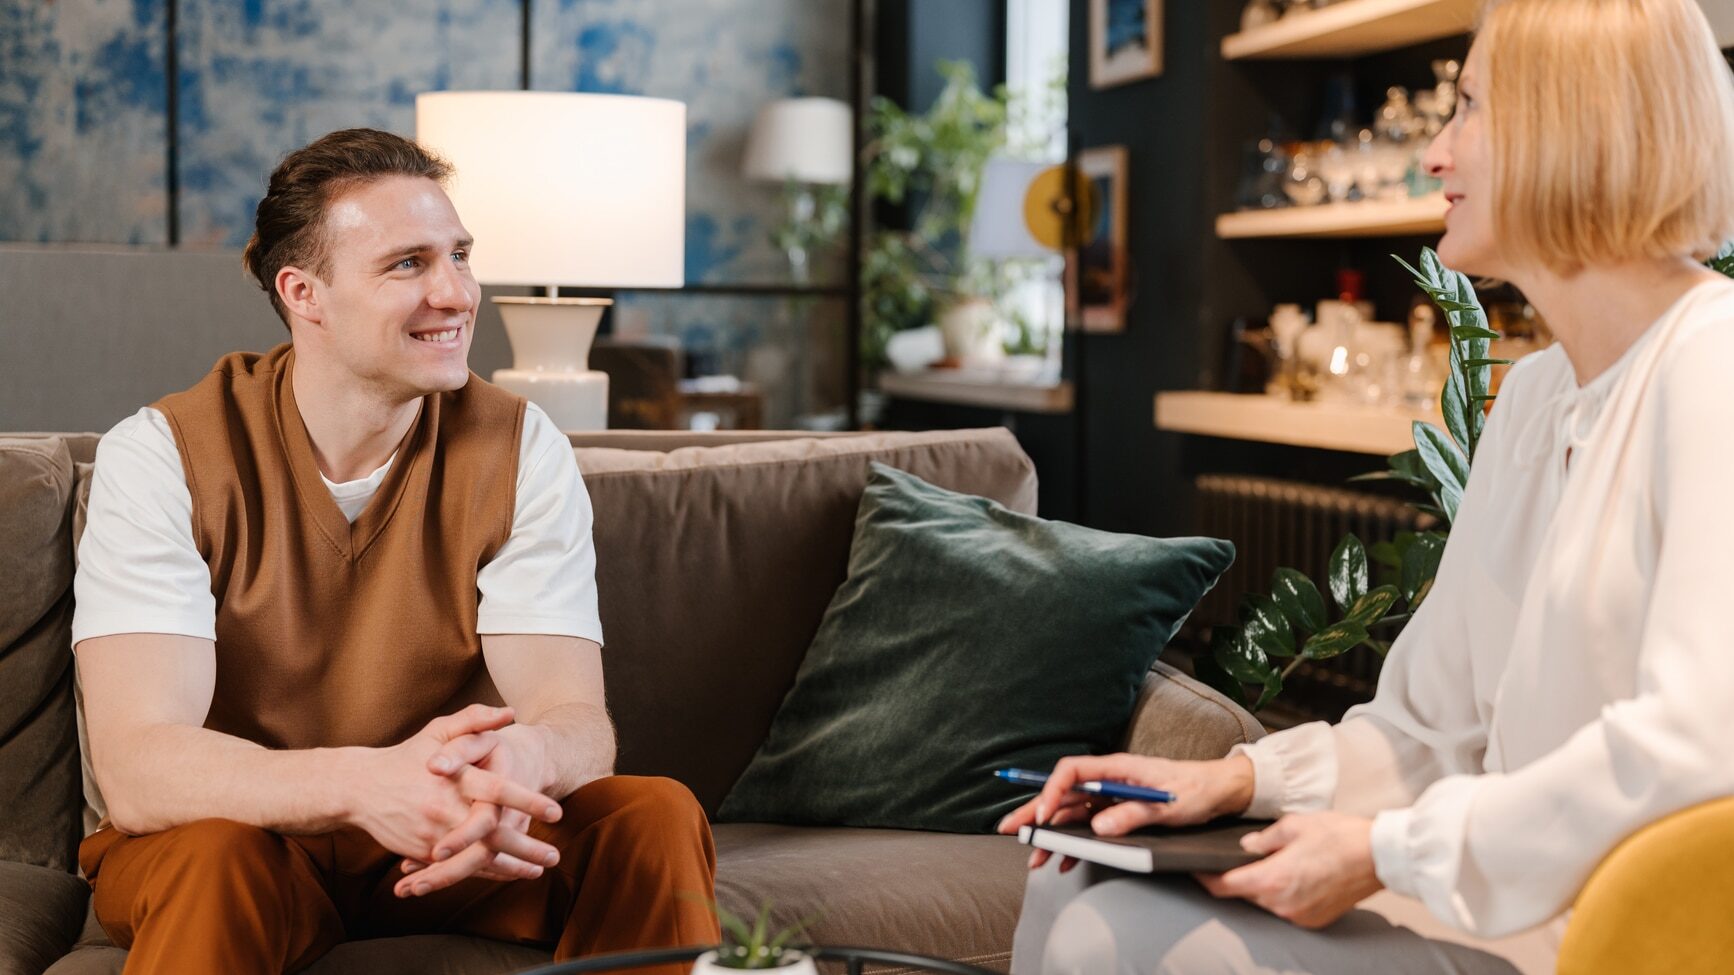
(1202, 791)
(1317, 867)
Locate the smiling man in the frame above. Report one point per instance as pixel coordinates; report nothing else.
(337, 627)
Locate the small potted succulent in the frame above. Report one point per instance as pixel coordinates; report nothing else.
(755, 947)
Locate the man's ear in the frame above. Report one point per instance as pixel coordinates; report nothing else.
(299, 291)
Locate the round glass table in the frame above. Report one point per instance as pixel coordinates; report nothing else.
(854, 959)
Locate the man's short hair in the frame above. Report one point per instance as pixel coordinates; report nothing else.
(289, 226)
(1611, 124)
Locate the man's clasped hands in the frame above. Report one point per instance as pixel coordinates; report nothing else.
(456, 800)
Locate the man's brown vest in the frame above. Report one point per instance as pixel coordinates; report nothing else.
(330, 633)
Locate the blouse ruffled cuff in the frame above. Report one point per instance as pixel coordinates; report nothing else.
(1292, 771)
(1391, 860)
(1418, 851)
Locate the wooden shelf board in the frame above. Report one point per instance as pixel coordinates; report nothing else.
(936, 386)
(1331, 426)
(1421, 215)
(1351, 28)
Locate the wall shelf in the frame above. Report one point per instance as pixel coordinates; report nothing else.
(957, 387)
(1331, 426)
(1421, 215)
(1351, 28)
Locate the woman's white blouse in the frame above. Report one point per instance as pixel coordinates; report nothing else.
(1570, 678)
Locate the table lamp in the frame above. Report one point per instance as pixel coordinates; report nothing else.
(570, 189)
(801, 143)
(1024, 211)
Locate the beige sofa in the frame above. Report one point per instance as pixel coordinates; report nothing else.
(717, 557)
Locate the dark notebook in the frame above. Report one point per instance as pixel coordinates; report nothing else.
(1210, 848)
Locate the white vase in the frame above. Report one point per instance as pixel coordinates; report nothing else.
(794, 963)
(551, 340)
(972, 333)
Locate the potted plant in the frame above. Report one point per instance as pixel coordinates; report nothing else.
(931, 162)
(755, 947)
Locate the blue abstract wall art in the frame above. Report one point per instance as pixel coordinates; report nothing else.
(83, 121)
(262, 77)
(84, 96)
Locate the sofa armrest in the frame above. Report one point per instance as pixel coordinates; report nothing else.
(1178, 717)
(1660, 902)
(41, 912)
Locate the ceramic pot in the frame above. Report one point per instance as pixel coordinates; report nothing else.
(972, 333)
(794, 963)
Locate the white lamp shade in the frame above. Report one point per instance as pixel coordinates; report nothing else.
(999, 230)
(809, 140)
(565, 189)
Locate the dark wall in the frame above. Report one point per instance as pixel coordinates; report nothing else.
(1129, 476)
(913, 36)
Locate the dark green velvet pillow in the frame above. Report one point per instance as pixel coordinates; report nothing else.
(966, 638)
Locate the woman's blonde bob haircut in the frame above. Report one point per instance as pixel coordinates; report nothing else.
(1611, 129)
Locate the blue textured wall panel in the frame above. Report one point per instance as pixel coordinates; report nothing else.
(83, 98)
(83, 121)
(258, 78)
(724, 59)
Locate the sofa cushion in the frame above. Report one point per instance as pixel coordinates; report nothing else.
(935, 894)
(1181, 718)
(967, 638)
(39, 770)
(715, 565)
(41, 910)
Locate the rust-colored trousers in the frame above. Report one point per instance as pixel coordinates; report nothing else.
(217, 897)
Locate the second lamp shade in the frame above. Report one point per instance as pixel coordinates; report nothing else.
(808, 140)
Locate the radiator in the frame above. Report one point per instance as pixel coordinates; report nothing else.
(1274, 524)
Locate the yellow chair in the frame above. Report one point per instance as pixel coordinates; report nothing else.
(1662, 901)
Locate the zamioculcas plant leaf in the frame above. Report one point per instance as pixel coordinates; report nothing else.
(1348, 572)
(1299, 599)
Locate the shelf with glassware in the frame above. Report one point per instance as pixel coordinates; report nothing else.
(1346, 383)
(1344, 29)
(1411, 215)
(1361, 182)
(1351, 427)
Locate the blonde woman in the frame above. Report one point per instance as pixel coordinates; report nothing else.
(1569, 680)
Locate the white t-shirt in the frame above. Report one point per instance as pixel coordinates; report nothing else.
(139, 570)
(1568, 680)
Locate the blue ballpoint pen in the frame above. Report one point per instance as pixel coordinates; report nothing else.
(1111, 790)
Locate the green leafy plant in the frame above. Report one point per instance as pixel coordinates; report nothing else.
(1724, 260)
(1292, 624)
(753, 946)
(932, 162)
(814, 218)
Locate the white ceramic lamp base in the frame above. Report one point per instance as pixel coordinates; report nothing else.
(551, 356)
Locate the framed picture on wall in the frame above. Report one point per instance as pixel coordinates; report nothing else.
(1125, 41)
(1097, 275)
